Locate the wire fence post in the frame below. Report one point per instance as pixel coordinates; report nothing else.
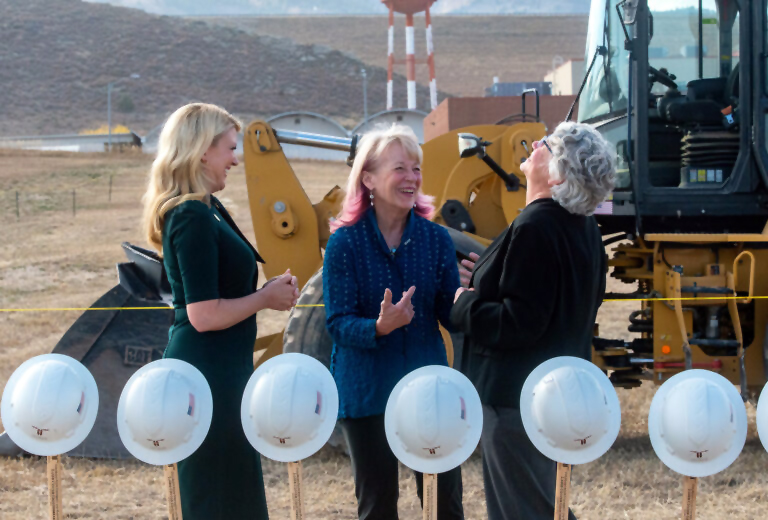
(18, 215)
(74, 211)
(110, 188)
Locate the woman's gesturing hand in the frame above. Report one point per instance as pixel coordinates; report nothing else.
(281, 292)
(466, 267)
(459, 292)
(394, 316)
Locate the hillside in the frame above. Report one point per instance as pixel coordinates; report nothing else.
(469, 50)
(345, 7)
(58, 56)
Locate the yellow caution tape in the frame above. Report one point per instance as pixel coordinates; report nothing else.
(56, 309)
(687, 299)
(89, 309)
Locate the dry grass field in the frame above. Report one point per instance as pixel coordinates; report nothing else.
(51, 258)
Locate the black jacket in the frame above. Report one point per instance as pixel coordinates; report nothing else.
(537, 289)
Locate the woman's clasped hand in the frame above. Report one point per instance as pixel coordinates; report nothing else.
(394, 316)
(281, 292)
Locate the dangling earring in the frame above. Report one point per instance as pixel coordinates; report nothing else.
(371, 197)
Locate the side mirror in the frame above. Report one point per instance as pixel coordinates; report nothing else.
(470, 144)
(630, 11)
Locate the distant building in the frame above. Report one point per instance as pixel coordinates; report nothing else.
(412, 118)
(566, 79)
(312, 123)
(455, 113)
(544, 88)
(73, 143)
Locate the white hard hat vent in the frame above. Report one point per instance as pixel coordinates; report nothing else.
(427, 410)
(429, 419)
(164, 411)
(49, 404)
(289, 407)
(46, 401)
(570, 410)
(697, 420)
(277, 393)
(697, 423)
(160, 408)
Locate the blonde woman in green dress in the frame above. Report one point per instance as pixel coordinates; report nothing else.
(211, 267)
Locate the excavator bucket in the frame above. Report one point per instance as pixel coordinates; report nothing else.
(113, 344)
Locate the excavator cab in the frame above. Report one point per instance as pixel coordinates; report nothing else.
(680, 88)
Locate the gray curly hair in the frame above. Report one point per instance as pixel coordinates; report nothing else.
(585, 162)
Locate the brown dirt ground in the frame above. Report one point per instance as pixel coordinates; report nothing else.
(51, 258)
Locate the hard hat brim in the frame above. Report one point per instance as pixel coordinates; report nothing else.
(589, 452)
(286, 453)
(474, 420)
(50, 448)
(762, 417)
(203, 403)
(702, 468)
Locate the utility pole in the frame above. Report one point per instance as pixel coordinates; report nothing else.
(109, 107)
(365, 94)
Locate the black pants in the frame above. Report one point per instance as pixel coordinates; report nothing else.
(376, 480)
(519, 480)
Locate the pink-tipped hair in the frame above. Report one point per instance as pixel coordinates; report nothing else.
(357, 200)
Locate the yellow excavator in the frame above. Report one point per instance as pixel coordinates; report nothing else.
(682, 93)
(680, 89)
(475, 199)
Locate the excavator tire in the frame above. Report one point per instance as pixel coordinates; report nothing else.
(305, 332)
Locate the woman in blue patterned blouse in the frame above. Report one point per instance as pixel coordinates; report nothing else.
(389, 276)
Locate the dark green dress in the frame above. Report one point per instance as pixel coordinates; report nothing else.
(207, 258)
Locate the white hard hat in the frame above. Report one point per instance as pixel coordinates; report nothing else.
(164, 412)
(433, 419)
(570, 410)
(697, 423)
(49, 404)
(289, 407)
(762, 417)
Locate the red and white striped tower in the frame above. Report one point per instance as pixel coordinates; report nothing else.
(409, 8)
(410, 61)
(391, 54)
(431, 61)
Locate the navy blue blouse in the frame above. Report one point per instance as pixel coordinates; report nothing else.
(357, 268)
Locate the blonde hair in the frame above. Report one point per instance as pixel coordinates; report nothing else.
(177, 174)
(371, 147)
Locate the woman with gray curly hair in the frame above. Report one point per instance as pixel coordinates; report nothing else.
(533, 295)
(581, 165)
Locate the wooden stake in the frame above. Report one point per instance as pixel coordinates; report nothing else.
(54, 488)
(689, 497)
(296, 487)
(563, 491)
(172, 494)
(430, 496)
